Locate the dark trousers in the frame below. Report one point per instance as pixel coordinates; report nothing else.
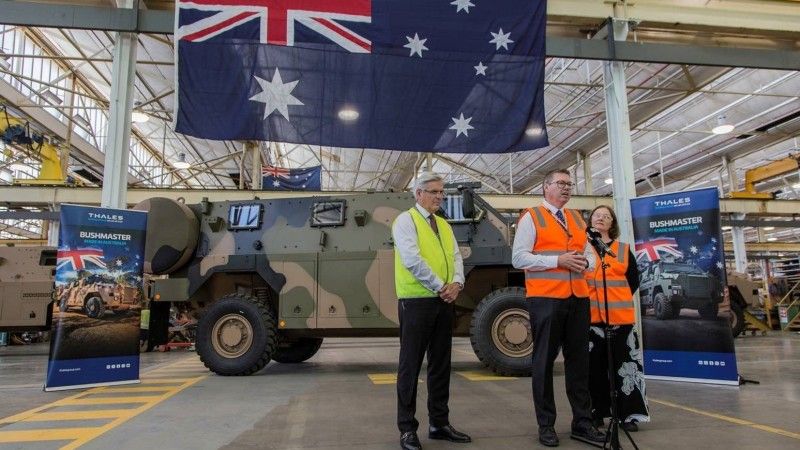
(426, 325)
(560, 324)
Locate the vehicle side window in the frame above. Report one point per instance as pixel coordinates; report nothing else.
(329, 213)
(245, 217)
(47, 258)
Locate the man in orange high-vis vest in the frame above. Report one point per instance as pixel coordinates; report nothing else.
(550, 245)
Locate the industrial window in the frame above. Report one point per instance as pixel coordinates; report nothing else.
(328, 214)
(245, 217)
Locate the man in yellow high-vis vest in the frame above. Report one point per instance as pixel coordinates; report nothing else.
(429, 274)
(551, 246)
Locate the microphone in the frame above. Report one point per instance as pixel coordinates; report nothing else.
(596, 239)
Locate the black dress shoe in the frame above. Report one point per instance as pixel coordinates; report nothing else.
(410, 441)
(630, 427)
(548, 436)
(589, 434)
(448, 433)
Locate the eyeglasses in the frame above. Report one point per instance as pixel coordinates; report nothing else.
(435, 193)
(563, 184)
(602, 216)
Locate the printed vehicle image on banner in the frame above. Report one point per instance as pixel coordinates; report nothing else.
(98, 298)
(685, 324)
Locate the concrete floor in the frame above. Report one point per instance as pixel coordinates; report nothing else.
(330, 402)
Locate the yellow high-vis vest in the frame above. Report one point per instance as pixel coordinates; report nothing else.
(436, 251)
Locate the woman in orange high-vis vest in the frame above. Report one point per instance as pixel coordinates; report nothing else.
(622, 280)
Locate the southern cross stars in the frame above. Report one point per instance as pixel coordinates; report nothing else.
(462, 5)
(500, 39)
(276, 95)
(415, 45)
(480, 69)
(461, 125)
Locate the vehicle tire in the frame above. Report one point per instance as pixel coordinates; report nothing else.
(94, 307)
(737, 319)
(500, 332)
(293, 351)
(236, 335)
(709, 311)
(663, 307)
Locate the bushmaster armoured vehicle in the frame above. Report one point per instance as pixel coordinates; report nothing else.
(669, 286)
(270, 279)
(26, 288)
(94, 294)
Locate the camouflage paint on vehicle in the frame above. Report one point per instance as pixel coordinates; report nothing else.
(26, 287)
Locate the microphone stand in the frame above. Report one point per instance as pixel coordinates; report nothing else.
(612, 433)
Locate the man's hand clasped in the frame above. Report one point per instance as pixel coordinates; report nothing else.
(573, 261)
(449, 292)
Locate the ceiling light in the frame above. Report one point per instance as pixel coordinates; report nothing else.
(772, 239)
(50, 97)
(82, 121)
(609, 181)
(780, 255)
(767, 228)
(139, 117)
(181, 162)
(723, 127)
(348, 114)
(727, 228)
(533, 131)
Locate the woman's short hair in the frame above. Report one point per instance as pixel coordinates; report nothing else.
(613, 232)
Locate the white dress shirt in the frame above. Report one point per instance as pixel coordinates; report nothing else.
(523, 258)
(404, 233)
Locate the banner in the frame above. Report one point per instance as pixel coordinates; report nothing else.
(414, 75)
(99, 296)
(283, 179)
(685, 325)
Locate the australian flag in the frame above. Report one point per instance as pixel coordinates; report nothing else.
(419, 75)
(283, 179)
(79, 259)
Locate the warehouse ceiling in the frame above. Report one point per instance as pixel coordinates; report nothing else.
(673, 109)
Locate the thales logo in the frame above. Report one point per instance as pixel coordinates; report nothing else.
(683, 201)
(106, 217)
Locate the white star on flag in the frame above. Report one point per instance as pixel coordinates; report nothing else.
(719, 265)
(500, 39)
(276, 183)
(276, 95)
(415, 45)
(693, 249)
(461, 125)
(480, 69)
(462, 5)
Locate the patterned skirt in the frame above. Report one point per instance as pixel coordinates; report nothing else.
(628, 374)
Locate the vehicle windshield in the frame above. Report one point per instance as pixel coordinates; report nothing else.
(681, 268)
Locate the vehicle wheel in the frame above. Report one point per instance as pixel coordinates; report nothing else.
(236, 335)
(663, 308)
(737, 319)
(95, 307)
(709, 311)
(292, 351)
(500, 332)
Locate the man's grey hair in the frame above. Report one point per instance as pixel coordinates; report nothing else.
(425, 178)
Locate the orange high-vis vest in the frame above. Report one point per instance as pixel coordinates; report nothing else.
(620, 297)
(553, 239)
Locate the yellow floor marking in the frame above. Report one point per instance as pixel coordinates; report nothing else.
(115, 389)
(735, 420)
(175, 381)
(78, 415)
(48, 434)
(476, 375)
(383, 378)
(107, 400)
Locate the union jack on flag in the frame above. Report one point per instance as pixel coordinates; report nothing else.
(276, 20)
(649, 249)
(79, 258)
